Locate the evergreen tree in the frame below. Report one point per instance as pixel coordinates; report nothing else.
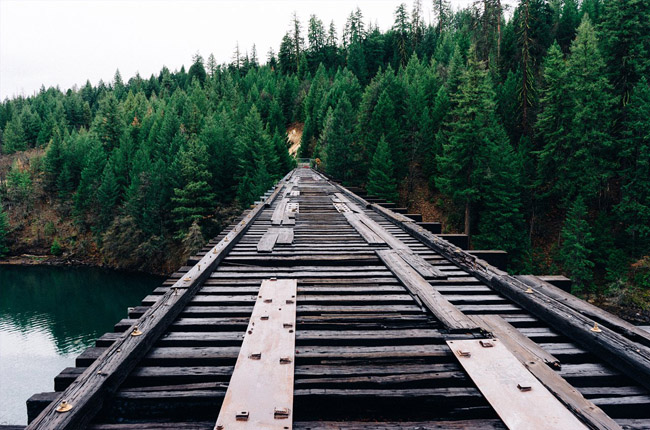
(193, 199)
(54, 159)
(625, 35)
(469, 137)
(4, 232)
(634, 208)
(193, 240)
(197, 70)
(107, 197)
(14, 136)
(109, 123)
(501, 220)
(381, 182)
(255, 154)
(337, 141)
(576, 247)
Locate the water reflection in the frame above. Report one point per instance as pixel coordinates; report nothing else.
(50, 314)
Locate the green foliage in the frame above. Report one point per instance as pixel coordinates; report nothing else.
(341, 155)
(634, 207)
(14, 136)
(576, 250)
(193, 199)
(381, 182)
(4, 232)
(19, 183)
(56, 249)
(470, 135)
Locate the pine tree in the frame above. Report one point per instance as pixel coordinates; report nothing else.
(576, 247)
(14, 136)
(54, 159)
(501, 220)
(469, 137)
(625, 35)
(554, 119)
(254, 153)
(4, 232)
(341, 154)
(109, 123)
(566, 27)
(197, 70)
(381, 182)
(591, 160)
(193, 240)
(93, 167)
(193, 199)
(634, 208)
(107, 197)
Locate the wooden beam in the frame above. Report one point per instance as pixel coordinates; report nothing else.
(278, 213)
(267, 241)
(448, 314)
(260, 392)
(603, 317)
(536, 360)
(520, 400)
(87, 394)
(502, 329)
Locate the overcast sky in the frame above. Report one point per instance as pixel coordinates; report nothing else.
(53, 42)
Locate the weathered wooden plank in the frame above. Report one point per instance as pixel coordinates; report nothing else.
(420, 264)
(267, 242)
(521, 401)
(369, 236)
(448, 314)
(503, 330)
(260, 392)
(536, 360)
(613, 322)
(278, 213)
(86, 395)
(285, 236)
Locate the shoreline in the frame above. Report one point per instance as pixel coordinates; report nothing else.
(49, 260)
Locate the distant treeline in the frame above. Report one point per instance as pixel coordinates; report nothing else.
(533, 131)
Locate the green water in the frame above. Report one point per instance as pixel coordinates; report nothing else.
(48, 315)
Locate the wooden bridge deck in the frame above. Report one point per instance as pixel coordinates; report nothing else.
(369, 351)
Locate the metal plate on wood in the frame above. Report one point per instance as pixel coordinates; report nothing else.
(260, 392)
(520, 400)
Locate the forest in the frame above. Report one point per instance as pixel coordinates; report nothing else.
(527, 127)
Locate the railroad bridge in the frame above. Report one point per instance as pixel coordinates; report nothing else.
(318, 309)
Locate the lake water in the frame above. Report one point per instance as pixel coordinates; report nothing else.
(48, 315)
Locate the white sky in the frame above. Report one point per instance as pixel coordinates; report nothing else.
(55, 42)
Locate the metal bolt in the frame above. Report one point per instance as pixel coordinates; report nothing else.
(135, 331)
(529, 291)
(64, 406)
(281, 413)
(595, 328)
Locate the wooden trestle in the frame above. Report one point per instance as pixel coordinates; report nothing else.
(391, 327)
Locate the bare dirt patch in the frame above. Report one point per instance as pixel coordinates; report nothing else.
(294, 136)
